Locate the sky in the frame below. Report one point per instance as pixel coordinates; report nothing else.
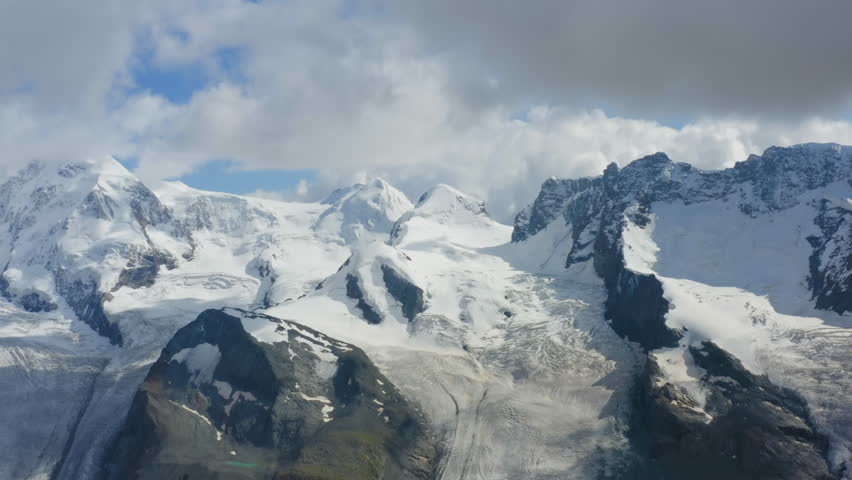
(291, 98)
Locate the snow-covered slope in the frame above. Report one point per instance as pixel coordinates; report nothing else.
(443, 214)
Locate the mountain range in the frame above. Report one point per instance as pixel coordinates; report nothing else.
(655, 322)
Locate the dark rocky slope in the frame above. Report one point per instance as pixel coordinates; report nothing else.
(218, 403)
(831, 261)
(748, 429)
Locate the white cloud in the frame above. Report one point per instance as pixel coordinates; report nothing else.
(349, 95)
(302, 188)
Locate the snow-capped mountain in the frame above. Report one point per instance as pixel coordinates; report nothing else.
(658, 321)
(93, 257)
(77, 233)
(753, 261)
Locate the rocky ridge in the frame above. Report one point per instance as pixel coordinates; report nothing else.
(776, 436)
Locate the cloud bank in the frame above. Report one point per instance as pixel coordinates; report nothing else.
(490, 96)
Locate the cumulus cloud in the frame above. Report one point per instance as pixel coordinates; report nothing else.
(492, 97)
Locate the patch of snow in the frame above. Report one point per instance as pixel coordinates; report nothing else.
(237, 396)
(714, 243)
(326, 366)
(262, 328)
(201, 361)
(201, 417)
(224, 388)
(678, 368)
(326, 409)
(640, 250)
(318, 398)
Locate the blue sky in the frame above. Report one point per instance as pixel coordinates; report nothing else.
(177, 84)
(225, 176)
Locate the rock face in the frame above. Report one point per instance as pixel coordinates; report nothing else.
(240, 395)
(636, 310)
(353, 291)
(379, 283)
(747, 428)
(409, 295)
(142, 268)
(831, 261)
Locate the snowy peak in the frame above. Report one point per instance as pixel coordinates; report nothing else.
(653, 217)
(445, 214)
(445, 200)
(363, 209)
(77, 231)
(218, 212)
(93, 188)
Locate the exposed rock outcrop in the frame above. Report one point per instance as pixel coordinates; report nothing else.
(240, 395)
(83, 294)
(409, 295)
(830, 276)
(745, 427)
(636, 310)
(353, 291)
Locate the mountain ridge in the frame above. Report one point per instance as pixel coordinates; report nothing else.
(633, 224)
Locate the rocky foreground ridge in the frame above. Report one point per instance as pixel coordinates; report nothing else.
(242, 395)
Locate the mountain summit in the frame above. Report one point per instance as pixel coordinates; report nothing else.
(363, 209)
